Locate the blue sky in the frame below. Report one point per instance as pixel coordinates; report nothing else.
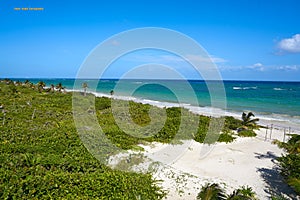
(248, 40)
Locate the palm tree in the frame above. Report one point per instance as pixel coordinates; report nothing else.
(52, 88)
(18, 83)
(60, 87)
(292, 146)
(112, 92)
(211, 192)
(247, 121)
(41, 85)
(243, 193)
(28, 83)
(84, 86)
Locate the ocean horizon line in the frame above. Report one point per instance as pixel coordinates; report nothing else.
(146, 79)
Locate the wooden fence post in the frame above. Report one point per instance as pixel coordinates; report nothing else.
(271, 131)
(266, 132)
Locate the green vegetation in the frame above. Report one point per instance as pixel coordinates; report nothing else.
(232, 123)
(60, 87)
(211, 192)
(248, 125)
(290, 163)
(243, 193)
(42, 156)
(40, 86)
(247, 133)
(247, 121)
(215, 192)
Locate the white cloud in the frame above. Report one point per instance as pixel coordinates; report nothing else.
(218, 60)
(290, 44)
(262, 68)
(173, 58)
(257, 66)
(211, 58)
(288, 68)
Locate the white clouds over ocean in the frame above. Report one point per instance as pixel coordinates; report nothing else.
(291, 45)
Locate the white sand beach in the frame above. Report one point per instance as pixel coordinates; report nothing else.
(244, 162)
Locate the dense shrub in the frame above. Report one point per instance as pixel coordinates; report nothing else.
(42, 157)
(225, 137)
(232, 123)
(246, 133)
(171, 127)
(290, 163)
(139, 113)
(202, 129)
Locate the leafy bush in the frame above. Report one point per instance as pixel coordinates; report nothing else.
(202, 129)
(139, 113)
(246, 133)
(215, 192)
(225, 137)
(294, 183)
(232, 123)
(102, 103)
(171, 127)
(290, 163)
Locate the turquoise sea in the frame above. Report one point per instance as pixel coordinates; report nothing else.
(269, 100)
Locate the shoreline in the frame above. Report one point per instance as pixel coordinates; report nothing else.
(264, 120)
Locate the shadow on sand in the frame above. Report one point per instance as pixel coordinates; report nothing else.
(276, 185)
(268, 155)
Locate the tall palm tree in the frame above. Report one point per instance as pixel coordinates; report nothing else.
(211, 192)
(247, 121)
(41, 85)
(84, 86)
(112, 92)
(60, 87)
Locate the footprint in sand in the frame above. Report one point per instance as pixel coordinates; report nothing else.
(230, 160)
